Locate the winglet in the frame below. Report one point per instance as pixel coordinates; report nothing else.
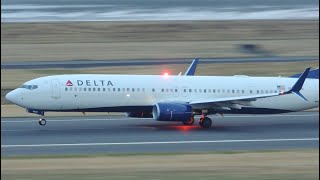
(298, 85)
(192, 68)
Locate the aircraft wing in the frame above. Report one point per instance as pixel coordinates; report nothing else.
(227, 103)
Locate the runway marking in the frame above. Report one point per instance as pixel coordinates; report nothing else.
(129, 119)
(159, 142)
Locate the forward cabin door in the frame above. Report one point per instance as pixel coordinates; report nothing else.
(55, 89)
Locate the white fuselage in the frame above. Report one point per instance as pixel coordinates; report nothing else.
(123, 93)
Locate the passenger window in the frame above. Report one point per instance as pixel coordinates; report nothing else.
(242, 91)
(218, 90)
(238, 91)
(171, 90)
(70, 88)
(138, 89)
(153, 90)
(132, 89)
(80, 88)
(232, 91)
(176, 90)
(89, 89)
(190, 90)
(257, 91)
(209, 90)
(75, 88)
(184, 90)
(195, 90)
(200, 90)
(205, 91)
(119, 89)
(162, 90)
(66, 89)
(98, 89)
(93, 89)
(103, 89)
(84, 89)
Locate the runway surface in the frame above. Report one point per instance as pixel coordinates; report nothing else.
(145, 62)
(119, 134)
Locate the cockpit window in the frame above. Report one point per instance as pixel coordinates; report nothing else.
(30, 87)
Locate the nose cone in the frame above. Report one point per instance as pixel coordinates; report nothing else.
(12, 96)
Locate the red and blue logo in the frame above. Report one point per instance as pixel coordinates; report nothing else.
(69, 83)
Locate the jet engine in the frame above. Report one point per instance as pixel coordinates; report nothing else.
(172, 112)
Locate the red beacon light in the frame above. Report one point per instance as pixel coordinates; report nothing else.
(166, 75)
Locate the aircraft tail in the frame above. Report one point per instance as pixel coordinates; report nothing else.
(313, 74)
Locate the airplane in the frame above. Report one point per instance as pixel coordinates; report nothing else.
(169, 97)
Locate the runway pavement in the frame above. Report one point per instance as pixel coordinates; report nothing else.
(119, 134)
(138, 62)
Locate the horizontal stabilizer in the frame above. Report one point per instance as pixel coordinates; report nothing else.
(313, 74)
(298, 85)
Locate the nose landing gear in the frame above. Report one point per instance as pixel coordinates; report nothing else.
(42, 121)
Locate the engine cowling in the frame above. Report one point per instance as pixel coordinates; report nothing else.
(139, 114)
(172, 112)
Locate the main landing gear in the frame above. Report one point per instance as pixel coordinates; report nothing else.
(204, 121)
(189, 122)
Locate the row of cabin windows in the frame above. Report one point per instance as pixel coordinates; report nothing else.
(167, 90)
(105, 89)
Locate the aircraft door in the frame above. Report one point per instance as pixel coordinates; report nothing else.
(55, 87)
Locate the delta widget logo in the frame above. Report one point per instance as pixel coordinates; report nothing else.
(69, 83)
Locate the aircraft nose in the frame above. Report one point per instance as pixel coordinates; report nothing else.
(12, 96)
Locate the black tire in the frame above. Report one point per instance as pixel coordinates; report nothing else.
(42, 122)
(205, 123)
(189, 122)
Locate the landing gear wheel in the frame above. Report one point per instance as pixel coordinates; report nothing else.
(205, 122)
(42, 122)
(189, 122)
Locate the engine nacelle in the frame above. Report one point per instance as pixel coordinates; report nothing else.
(172, 112)
(139, 114)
